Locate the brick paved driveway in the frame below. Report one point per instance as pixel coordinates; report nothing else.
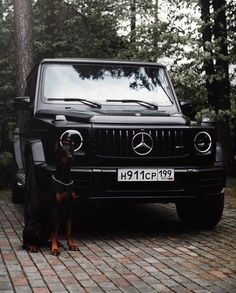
(136, 249)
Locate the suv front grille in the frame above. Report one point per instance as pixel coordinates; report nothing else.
(118, 143)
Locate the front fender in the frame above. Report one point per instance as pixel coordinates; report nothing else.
(37, 151)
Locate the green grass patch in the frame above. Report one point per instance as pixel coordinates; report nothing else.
(5, 194)
(231, 188)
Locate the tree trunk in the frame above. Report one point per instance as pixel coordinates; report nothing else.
(51, 18)
(222, 84)
(133, 21)
(48, 8)
(1, 10)
(208, 62)
(24, 42)
(222, 63)
(156, 11)
(217, 71)
(155, 31)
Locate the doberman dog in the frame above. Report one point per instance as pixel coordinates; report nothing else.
(43, 227)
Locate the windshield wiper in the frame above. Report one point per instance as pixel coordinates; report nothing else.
(84, 101)
(140, 102)
(160, 84)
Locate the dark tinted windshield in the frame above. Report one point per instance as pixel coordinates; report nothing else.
(106, 82)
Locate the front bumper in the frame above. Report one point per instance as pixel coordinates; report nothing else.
(102, 184)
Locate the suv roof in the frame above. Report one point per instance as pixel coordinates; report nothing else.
(104, 61)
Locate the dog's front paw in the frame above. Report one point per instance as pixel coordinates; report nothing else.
(30, 247)
(55, 251)
(72, 245)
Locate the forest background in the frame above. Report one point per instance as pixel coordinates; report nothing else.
(196, 39)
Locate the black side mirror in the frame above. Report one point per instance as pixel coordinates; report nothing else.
(21, 103)
(187, 108)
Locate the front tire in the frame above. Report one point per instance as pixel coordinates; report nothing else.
(202, 213)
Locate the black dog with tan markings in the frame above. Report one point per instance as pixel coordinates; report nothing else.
(37, 232)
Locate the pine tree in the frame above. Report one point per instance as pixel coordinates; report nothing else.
(24, 38)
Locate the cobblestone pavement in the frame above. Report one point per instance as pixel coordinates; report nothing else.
(132, 249)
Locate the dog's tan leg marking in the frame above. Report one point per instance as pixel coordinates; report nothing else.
(54, 245)
(71, 243)
(74, 196)
(60, 196)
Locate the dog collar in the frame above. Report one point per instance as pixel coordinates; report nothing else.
(63, 183)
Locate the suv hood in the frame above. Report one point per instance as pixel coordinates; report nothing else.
(100, 116)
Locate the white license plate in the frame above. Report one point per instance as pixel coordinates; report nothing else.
(146, 175)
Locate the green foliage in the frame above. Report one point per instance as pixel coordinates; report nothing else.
(7, 73)
(84, 29)
(5, 159)
(7, 55)
(231, 184)
(101, 29)
(189, 84)
(228, 116)
(5, 169)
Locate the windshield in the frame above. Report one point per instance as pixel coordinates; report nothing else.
(103, 82)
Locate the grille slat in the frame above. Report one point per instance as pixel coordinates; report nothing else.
(118, 142)
(127, 142)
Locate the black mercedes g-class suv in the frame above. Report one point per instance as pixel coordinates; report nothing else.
(132, 140)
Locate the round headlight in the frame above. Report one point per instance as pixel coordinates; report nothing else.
(202, 142)
(74, 136)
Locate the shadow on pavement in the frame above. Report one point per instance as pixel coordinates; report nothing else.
(141, 219)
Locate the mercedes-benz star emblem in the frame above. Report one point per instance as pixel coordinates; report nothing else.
(142, 143)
